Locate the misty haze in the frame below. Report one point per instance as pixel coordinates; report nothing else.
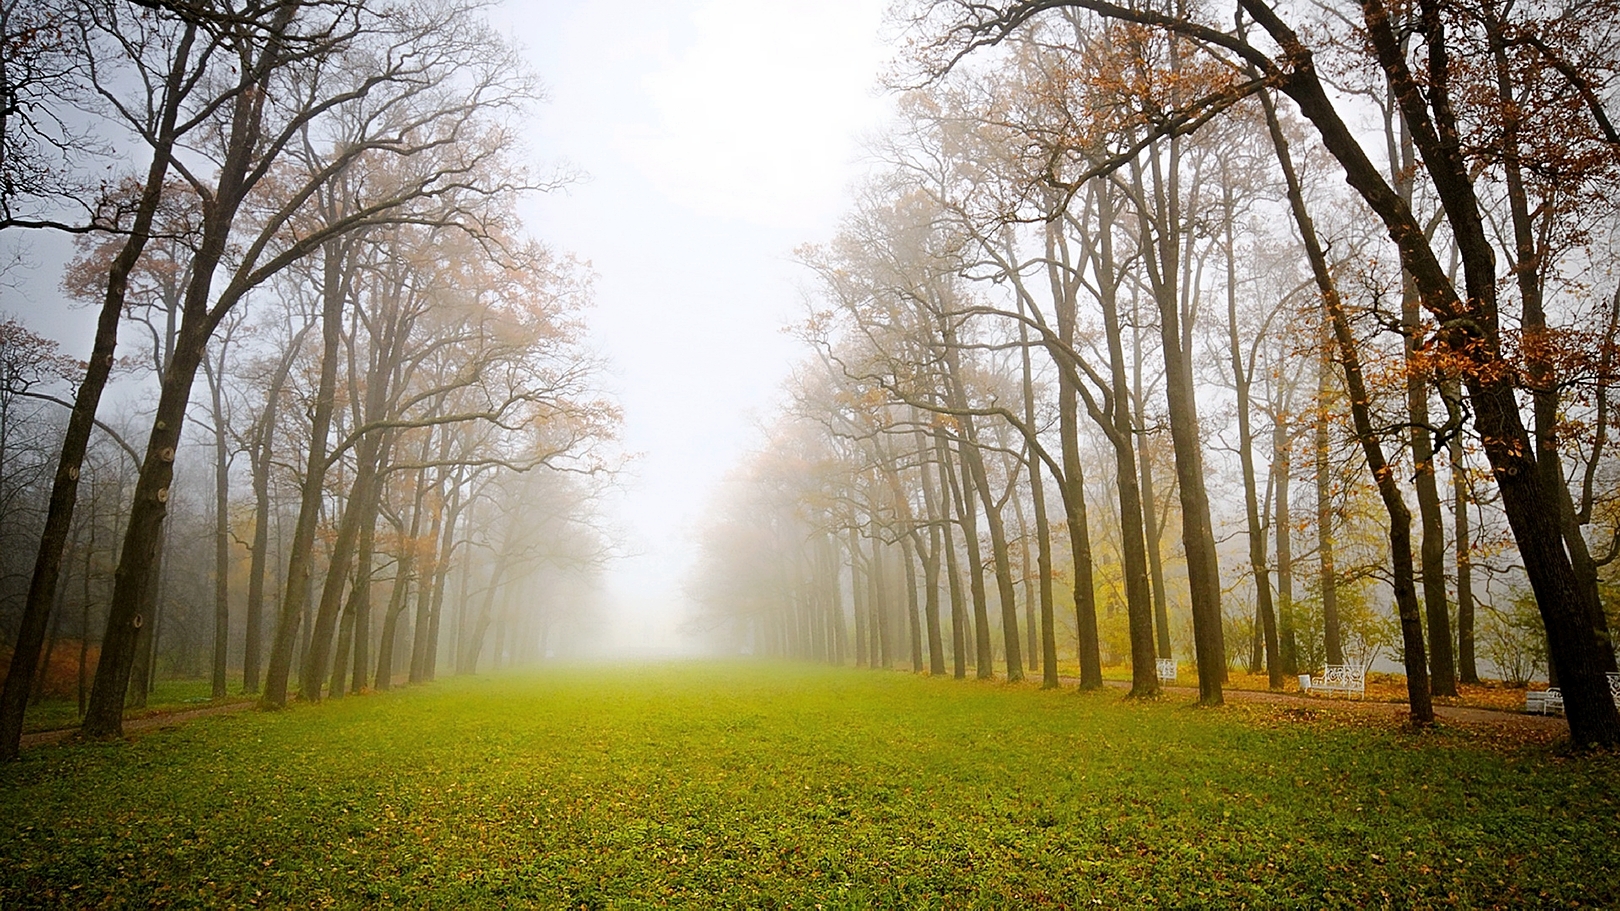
(859, 454)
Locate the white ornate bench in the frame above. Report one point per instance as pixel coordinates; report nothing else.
(1551, 700)
(1544, 702)
(1167, 670)
(1349, 679)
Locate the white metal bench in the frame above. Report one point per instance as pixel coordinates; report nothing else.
(1551, 700)
(1544, 702)
(1167, 670)
(1349, 679)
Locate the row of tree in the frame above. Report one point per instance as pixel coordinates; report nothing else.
(323, 227)
(1114, 249)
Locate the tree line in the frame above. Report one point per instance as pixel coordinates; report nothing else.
(1250, 279)
(371, 435)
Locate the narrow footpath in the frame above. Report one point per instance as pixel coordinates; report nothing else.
(152, 722)
(1549, 725)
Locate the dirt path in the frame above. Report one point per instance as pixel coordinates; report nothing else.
(1454, 714)
(153, 722)
(1535, 725)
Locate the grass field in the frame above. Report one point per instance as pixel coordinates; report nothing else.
(755, 785)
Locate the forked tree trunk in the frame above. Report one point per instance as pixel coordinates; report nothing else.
(931, 553)
(967, 511)
(301, 554)
(1088, 641)
(1152, 530)
(1161, 257)
(953, 572)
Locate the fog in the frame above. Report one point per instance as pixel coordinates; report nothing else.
(715, 137)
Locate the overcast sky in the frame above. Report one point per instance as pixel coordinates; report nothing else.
(717, 135)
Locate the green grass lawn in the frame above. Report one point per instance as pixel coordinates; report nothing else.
(757, 785)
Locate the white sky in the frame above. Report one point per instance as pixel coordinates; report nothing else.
(718, 135)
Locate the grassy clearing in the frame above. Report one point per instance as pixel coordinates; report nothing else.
(751, 785)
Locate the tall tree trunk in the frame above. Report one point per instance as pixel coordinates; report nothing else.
(390, 331)
(1282, 526)
(878, 602)
(430, 574)
(1065, 283)
(998, 553)
(973, 462)
(50, 643)
(913, 629)
(1400, 518)
(1151, 529)
(858, 597)
(84, 611)
(836, 601)
(1118, 425)
(360, 599)
(142, 668)
(390, 631)
(1467, 669)
(1540, 369)
(1026, 573)
(457, 502)
(1242, 379)
(1432, 543)
(1043, 529)
(354, 628)
(260, 457)
(358, 513)
(946, 484)
(222, 533)
(1089, 642)
(1442, 665)
(340, 656)
(475, 642)
(258, 568)
(1328, 576)
(967, 510)
(403, 569)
